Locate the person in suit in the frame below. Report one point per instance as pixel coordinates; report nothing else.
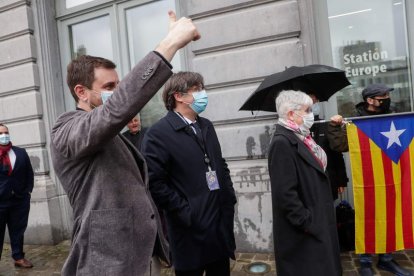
(135, 133)
(16, 185)
(304, 225)
(190, 181)
(117, 228)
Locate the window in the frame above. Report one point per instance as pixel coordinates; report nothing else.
(142, 38)
(122, 31)
(92, 36)
(368, 39)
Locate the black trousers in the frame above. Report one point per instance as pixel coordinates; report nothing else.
(14, 213)
(218, 268)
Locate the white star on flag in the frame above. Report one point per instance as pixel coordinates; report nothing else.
(393, 135)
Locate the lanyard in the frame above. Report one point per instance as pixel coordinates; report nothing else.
(198, 138)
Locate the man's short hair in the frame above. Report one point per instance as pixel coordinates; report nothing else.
(3, 125)
(82, 71)
(180, 82)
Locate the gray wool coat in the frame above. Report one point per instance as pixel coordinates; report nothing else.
(116, 224)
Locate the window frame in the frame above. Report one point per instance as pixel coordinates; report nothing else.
(323, 45)
(65, 44)
(116, 10)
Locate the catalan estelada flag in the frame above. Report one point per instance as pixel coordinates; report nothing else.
(382, 164)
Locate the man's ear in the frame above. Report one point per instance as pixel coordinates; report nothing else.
(178, 96)
(370, 101)
(80, 92)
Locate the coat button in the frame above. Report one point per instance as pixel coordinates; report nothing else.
(152, 216)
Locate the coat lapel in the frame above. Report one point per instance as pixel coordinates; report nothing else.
(303, 151)
(18, 161)
(175, 121)
(204, 128)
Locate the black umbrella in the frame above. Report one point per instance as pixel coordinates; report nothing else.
(321, 80)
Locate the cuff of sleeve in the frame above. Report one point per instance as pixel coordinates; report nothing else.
(166, 61)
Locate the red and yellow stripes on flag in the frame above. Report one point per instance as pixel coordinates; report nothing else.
(382, 196)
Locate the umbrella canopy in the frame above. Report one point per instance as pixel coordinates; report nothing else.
(321, 80)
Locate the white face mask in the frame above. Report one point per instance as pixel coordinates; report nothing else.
(4, 139)
(308, 120)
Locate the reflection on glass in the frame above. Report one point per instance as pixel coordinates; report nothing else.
(74, 3)
(146, 26)
(369, 42)
(92, 37)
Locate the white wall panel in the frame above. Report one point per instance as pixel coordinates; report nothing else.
(17, 49)
(15, 21)
(19, 78)
(20, 106)
(248, 25)
(223, 68)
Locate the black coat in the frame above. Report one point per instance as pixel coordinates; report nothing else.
(304, 226)
(199, 221)
(20, 182)
(136, 139)
(335, 169)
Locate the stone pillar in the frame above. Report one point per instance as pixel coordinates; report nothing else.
(29, 77)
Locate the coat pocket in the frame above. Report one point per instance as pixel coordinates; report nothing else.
(110, 238)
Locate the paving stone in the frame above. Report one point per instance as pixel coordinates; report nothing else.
(48, 260)
(347, 265)
(399, 256)
(246, 256)
(261, 257)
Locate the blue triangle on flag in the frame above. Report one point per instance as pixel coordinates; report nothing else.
(392, 134)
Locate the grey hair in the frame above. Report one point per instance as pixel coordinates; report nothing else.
(290, 100)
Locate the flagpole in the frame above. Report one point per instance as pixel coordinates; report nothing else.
(350, 119)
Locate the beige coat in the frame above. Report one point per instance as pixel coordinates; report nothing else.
(116, 224)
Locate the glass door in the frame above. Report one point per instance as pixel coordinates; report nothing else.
(369, 41)
(89, 34)
(143, 27)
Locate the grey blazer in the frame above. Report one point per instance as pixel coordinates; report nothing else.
(116, 228)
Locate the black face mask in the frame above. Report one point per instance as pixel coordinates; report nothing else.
(384, 105)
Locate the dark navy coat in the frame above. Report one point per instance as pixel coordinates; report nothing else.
(304, 225)
(20, 182)
(199, 221)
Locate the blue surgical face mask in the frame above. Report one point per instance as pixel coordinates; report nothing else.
(105, 95)
(4, 139)
(200, 101)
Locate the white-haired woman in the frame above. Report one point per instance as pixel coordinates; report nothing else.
(304, 226)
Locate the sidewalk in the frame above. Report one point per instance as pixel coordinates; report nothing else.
(48, 260)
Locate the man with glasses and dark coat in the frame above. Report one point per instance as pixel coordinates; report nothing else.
(189, 180)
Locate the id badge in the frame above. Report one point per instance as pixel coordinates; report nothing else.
(212, 181)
